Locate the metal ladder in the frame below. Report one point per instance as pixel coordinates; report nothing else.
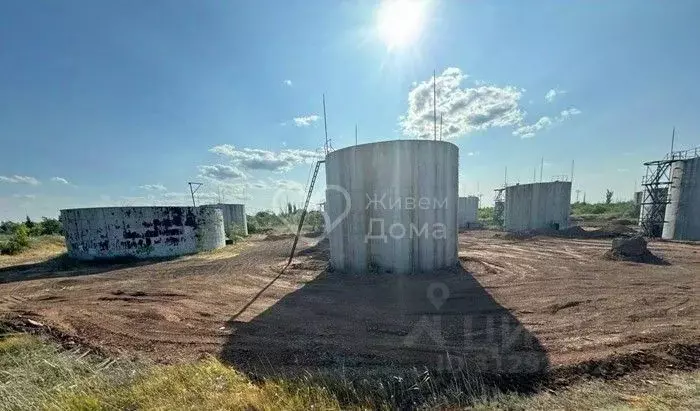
(303, 212)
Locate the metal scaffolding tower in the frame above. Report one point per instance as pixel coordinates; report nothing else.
(499, 206)
(655, 184)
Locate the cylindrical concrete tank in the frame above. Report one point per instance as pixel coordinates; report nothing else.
(467, 211)
(392, 206)
(537, 205)
(682, 217)
(234, 215)
(110, 232)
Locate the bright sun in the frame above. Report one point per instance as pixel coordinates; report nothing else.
(400, 22)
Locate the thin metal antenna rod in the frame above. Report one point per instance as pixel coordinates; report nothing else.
(355, 134)
(572, 173)
(434, 108)
(505, 182)
(673, 138)
(325, 123)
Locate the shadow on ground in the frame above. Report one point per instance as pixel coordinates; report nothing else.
(383, 324)
(64, 266)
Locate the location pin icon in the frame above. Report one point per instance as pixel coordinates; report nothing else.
(438, 294)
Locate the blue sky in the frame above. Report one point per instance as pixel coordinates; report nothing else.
(122, 103)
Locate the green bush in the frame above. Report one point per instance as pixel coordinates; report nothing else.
(253, 227)
(51, 226)
(485, 214)
(235, 232)
(625, 209)
(18, 242)
(8, 227)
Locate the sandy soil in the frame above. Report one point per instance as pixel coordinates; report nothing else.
(511, 306)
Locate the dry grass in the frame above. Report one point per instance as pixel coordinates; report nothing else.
(40, 249)
(38, 374)
(231, 250)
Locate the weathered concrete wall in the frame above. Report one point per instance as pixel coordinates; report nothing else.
(94, 233)
(233, 214)
(537, 205)
(392, 206)
(682, 218)
(467, 211)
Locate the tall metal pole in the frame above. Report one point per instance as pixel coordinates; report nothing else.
(192, 191)
(572, 173)
(505, 181)
(355, 134)
(434, 109)
(325, 124)
(673, 138)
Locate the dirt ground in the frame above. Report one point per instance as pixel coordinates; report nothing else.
(511, 306)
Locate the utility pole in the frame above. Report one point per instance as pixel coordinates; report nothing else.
(505, 182)
(355, 133)
(194, 190)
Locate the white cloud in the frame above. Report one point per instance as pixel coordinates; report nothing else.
(288, 83)
(258, 184)
(288, 185)
(171, 195)
(15, 179)
(473, 153)
(463, 110)
(25, 196)
(256, 159)
(527, 131)
(305, 121)
(220, 172)
(153, 187)
(552, 94)
(60, 180)
(573, 111)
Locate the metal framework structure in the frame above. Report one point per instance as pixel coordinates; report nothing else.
(499, 206)
(655, 185)
(304, 210)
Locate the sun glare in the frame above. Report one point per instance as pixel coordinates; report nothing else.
(400, 22)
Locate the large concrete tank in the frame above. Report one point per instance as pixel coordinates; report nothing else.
(392, 206)
(682, 217)
(467, 211)
(110, 232)
(537, 205)
(234, 215)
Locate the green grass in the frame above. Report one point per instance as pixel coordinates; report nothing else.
(39, 374)
(625, 209)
